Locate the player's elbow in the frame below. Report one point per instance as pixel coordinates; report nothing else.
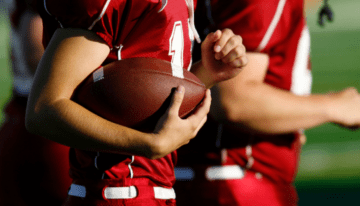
(30, 125)
(34, 120)
(230, 112)
(31, 121)
(237, 109)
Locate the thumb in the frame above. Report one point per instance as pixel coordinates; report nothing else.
(176, 100)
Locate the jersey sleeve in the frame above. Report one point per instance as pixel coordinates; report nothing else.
(100, 16)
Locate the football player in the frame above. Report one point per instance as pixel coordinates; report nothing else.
(33, 170)
(112, 164)
(248, 151)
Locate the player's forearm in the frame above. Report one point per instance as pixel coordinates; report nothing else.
(262, 108)
(68, 123)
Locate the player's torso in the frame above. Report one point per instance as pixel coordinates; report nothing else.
(278, 29)
(158, 30)
(151, 28)
(284, 37)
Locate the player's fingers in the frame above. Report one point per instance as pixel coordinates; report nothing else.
(226, 34)
(202, 110)
(217, 35)
(239, 62)
(176, 100)
(234, 43)
(351, 90)
(302, 137)
(208, 43)
(226, 43)
(236, 53)
(200, 125)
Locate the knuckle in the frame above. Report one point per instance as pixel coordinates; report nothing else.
(353, 90)
(239, 52)
(234, 56)
(244, 61)
(243, 49)
(178, 98)
(233, 41)
(227, 31)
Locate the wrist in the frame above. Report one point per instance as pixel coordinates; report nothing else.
(199, 71)
(329, 106)
(156, 146)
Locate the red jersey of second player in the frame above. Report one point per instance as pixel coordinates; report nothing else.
(278, 29)
(131, 28)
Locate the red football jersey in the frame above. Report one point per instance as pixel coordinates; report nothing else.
(277, 28)
(131, 28)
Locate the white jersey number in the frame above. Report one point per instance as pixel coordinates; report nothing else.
(176, 50)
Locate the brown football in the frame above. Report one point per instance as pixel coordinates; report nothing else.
(135, 92)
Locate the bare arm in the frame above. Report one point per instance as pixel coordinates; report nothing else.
(251, 104)
(31, 34)
(69, 58)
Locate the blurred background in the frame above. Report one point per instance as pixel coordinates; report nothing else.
(329, 171)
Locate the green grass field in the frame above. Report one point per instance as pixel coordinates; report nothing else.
(5, 75)
(329, 171)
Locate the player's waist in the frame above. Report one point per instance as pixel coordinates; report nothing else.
(97, 166)
(220, 172)
(124, 192)
(201, 174)
(228, 172)
(119, 189)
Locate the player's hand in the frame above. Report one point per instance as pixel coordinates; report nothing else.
(223, 55)
(344, 110)
(171, 131)
(302, 138)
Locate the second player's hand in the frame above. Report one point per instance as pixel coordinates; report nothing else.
(171, 131)
(223, 55)
(344, 109)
